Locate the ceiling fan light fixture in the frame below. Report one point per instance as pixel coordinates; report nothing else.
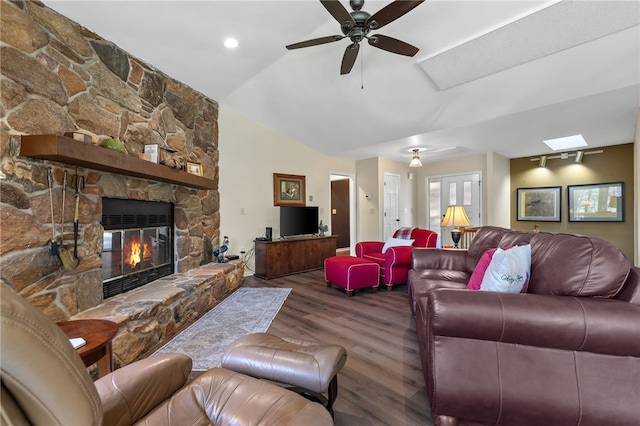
(415, 159)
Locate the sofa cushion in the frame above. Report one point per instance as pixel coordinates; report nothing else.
(489, 237)
(396, 242)
(575, 265)
(509, 270)
(480, 270)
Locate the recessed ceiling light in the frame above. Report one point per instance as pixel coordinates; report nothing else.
(569, 142)
(231, 43)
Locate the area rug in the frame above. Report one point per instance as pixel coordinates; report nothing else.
(246, 311)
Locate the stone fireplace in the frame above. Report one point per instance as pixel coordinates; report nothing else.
(58, 77)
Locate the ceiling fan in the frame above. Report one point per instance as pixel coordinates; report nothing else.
(358, 24)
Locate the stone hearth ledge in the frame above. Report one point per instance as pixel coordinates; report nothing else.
(151, 315)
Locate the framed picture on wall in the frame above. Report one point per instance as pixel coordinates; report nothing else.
(601, 202)
(288, 190)
(194, 168)
(539, 204)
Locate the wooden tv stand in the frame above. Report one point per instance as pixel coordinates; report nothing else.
(291, 256)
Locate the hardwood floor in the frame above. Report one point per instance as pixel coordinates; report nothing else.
(381, 382)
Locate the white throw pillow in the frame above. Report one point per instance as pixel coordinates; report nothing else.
(509, 270)
(396, 242)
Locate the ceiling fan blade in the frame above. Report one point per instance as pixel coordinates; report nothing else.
(349, 58)
(315, 42)
(338, 11)
(392, 45)
(391, 12)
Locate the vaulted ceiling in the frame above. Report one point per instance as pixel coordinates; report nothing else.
(490, 76)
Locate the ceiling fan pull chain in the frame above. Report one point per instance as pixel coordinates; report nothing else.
(362, 70)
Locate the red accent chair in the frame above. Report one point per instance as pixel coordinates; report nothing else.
(396, 262)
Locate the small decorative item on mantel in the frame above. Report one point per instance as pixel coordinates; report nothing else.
(194, 168)
(79, 136)
(152, 151)
(169, 157)
(114, 144)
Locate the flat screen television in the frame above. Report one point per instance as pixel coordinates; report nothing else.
(298, 220)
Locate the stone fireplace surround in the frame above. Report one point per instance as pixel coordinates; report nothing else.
(58, 77)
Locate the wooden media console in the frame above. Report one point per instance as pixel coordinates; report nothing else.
(291, 256)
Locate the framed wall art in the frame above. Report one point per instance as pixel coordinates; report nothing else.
(288, 190)
(539, 204)
(600, 202)
(194, 168)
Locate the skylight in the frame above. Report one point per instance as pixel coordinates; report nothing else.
(569, 142)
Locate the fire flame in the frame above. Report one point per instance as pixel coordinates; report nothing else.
(135, 253)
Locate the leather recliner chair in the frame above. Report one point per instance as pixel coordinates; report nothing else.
(44, 382)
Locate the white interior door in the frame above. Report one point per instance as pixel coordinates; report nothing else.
(391, 204)
(444, 191)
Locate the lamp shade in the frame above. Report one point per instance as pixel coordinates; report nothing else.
(456, 216)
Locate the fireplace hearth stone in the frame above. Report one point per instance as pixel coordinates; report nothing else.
(150, 316)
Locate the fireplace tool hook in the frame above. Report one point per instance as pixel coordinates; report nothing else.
(53, 245)
(78, 184)
(63, 253)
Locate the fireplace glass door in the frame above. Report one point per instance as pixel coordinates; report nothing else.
(135, 250)
(137, 243)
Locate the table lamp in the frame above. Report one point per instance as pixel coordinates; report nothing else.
(456, 216)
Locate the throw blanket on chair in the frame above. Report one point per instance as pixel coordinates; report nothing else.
(404, 233)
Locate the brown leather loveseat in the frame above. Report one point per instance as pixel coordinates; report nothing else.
(566, 352)
(44, 382)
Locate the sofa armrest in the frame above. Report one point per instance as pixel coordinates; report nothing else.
(433, 258)
(604, 326)
(400, 255)
(132, 391)
(366, 247)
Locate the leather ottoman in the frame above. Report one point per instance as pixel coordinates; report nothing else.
(351, 273)
(311, 367)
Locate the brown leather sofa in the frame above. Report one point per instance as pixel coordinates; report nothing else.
(44, 382)
(567, 352)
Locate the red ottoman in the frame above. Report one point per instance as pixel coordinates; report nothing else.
(351, 273)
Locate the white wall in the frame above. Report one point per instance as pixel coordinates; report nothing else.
(370, 181)
(408, 190)
(249, 155)
(369, 223)
(498, 190)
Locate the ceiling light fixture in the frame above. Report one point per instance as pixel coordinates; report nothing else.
(415, 159)
(231, 43)
(564, 156)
